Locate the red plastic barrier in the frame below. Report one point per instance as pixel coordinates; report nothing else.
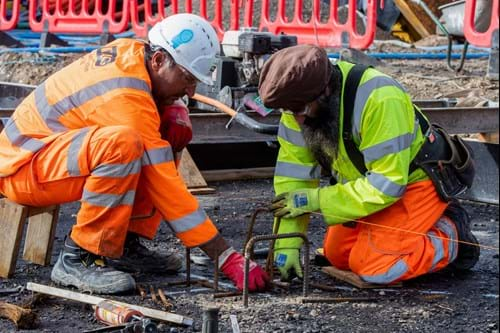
(79, 16)
(9, 22)
(470, 32)
(153, 15)
(326, 34)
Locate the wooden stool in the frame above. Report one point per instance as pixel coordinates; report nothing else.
(40, 233)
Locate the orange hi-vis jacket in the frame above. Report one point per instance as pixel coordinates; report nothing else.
(105, 88)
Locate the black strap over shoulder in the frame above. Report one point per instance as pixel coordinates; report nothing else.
(350, 89)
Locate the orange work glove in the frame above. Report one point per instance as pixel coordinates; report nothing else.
(175, 125)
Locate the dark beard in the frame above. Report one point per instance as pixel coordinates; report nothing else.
(321, 134)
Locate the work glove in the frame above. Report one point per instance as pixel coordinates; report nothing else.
(175, 125)
(295, 203)
(288, 263)
(287, 250)
(232, 264)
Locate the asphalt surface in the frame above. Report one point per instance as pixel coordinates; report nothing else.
(443, 301)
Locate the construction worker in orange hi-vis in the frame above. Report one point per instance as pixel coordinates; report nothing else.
(93, 132)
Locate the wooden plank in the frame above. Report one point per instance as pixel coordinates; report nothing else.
(89, 299)
(201, 190)
(412, 19)
(190, 172)
(489, 137)
(12, 220)
(238, 174)
(40, 235)
(423, 17)
(355, 280)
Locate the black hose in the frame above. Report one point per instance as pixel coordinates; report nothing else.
(254, 125)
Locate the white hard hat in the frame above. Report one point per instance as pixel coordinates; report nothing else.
(190, 40)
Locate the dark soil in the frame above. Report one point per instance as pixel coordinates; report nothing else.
(444, 301)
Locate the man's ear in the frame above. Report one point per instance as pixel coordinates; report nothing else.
(157, 60)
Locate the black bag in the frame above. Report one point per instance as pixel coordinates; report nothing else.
(448, 162)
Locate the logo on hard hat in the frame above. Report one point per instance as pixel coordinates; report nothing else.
(185, 36)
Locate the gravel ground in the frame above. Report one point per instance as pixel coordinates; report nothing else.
(443, 301)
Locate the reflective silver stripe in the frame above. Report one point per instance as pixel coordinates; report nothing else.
(117, 170)
(290, 135)
(385, 185)
(51, 113)
(46, 111)
(444, 225)
(74, 148)
(189, 221)
(4, 121)
(437, 243)
(109, 200)
(285, 169)
(390, 146)
(395, 272)
(362, 95)
(157, 156)
(22, 141)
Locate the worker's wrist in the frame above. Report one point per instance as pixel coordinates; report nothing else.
(225, 255)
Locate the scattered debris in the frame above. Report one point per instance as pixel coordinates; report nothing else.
(337, 299)
(9, 291)
(21, 317)
(94, 300)
(166, 303)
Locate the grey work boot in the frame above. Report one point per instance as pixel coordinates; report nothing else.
(138, 258)
(468, 254)
(88, 272)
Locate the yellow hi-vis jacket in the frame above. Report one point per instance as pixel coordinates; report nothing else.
(387, 133)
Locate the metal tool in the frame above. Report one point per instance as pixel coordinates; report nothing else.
(210, 320)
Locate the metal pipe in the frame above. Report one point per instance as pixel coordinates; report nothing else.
(188, 267)
(270, 254)
(256, 239)
(228, 294)
(240, 117)
(210, 320)
(252, 223)
(216, 272)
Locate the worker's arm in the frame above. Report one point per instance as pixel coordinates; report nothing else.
(389, 139)
(296, 168)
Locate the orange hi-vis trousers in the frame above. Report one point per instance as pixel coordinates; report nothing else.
(403, 241)
(104, 177)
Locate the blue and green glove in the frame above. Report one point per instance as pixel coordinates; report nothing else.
(287, 250)
(288, 263)
(296, 203)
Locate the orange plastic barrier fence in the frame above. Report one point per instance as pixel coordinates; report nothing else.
(329, 33)
(470, 32)
(79, 16)
(8, 22)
